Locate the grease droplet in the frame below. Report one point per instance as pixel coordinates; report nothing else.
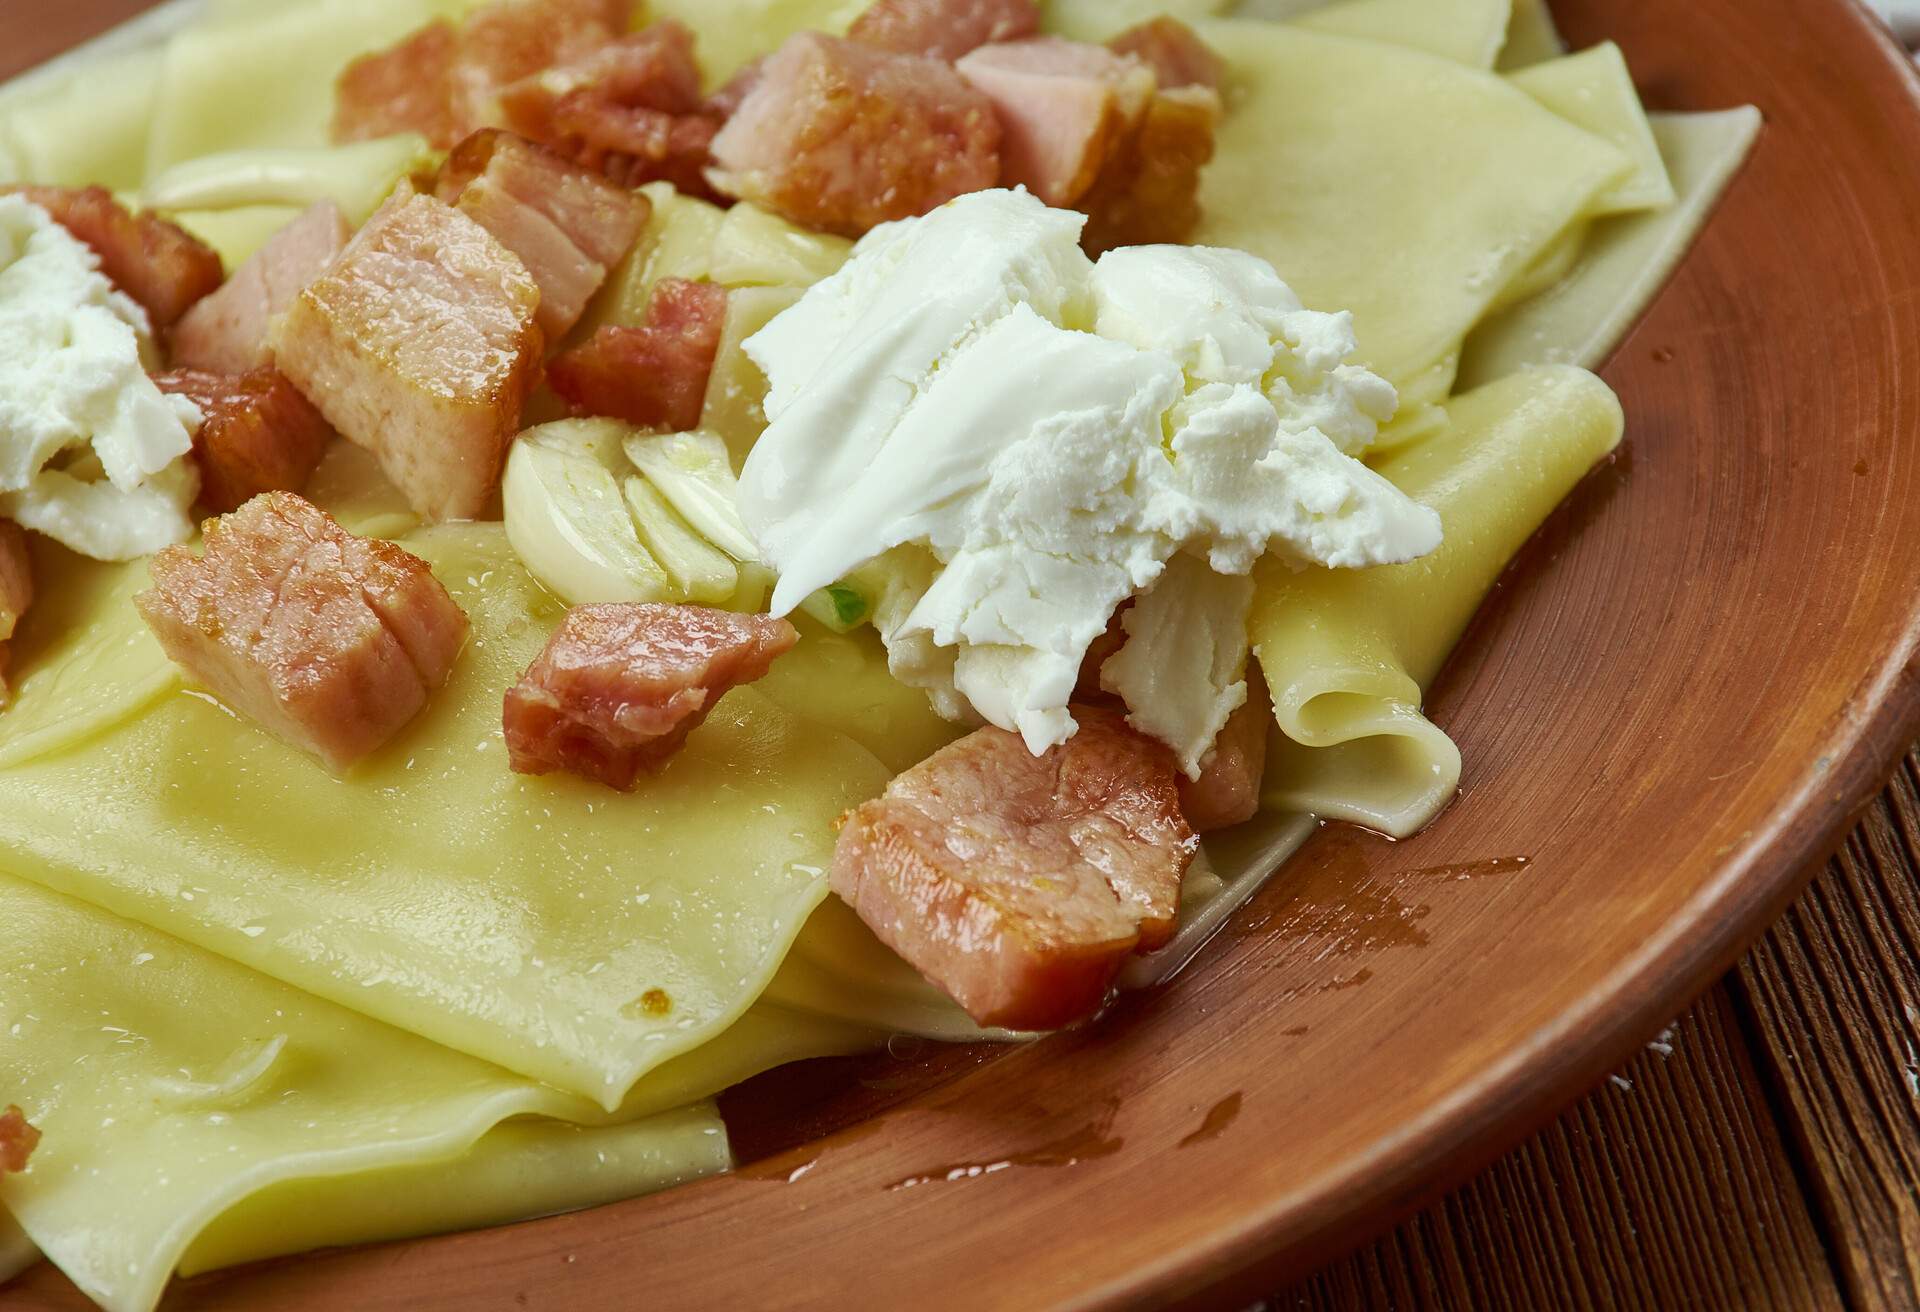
(1218, 1118)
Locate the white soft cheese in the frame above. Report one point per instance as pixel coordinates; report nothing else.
(1053, 432)
(91, 452)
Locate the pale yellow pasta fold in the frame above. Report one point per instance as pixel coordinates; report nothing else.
(1468, 32)
(1331, 163)
(1625, 261)
(1347, 653)
(1595, 90)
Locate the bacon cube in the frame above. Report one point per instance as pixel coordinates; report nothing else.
(257, 433)
(1174, 51)
(226, 332)
(17, 1141)
(1018, 883)
(619, 687)
(16, 591)
(328, 641)
(630, 110)
(839, 136)
(1063, 106)
(160, 265)
(653, 376)
(420, 344)
(1148, 192)
(566, 225)
(1227, 793)
(408, 87)
(943, 29)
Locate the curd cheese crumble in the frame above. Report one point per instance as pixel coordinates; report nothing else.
(1053, 432)
(91, 452)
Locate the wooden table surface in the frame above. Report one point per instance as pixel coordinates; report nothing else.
(1764, 1155)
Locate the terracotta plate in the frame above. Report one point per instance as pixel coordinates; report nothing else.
(1670, 708)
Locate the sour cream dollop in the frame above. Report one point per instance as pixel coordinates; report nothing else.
(1053, 432)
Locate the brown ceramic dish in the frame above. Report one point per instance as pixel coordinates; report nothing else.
(1670, 709)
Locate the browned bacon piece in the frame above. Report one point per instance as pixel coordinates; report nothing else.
(16, 591)
(631, 109)
(1064, 107)
(566, 225)
(943, 29)
(257, 433)
(226, 332)
(724, 103)
(839, 136)
(506, 42)
(419, 344)
(444, 82)
(1174, 51)
(17, 1141)
(162, 266)
(653, 376)
(408, 87)
(1019, 884)
(1227, 793)
(1149, 190)
(328, 641)
(619, 687)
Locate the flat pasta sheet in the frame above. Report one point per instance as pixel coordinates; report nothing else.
(527, 921)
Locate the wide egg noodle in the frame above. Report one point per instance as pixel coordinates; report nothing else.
(1625, 261)
(519, 919)
(1595, 90)
(238, 232)
(1099, 20)
(84, 126)
(1348, 653)
(1328, 147)
(1532, 37)
(1469, 32)
(267, 79)
(170, 1084)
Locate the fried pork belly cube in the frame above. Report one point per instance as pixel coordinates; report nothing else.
(943, 29)
(1174, 51)
(444, 82)
(566, 225)
(1148, 192)
(17, 1141)
(630, 110)
(1064, 107)
(1020, 884)
(16, 591)
(839, 136)
(257, 433)
(162, 266)
(1227, 793)
(654, 376)
(328, 641)
(619, 687)
(408, 87)
(420, 344)
(226, 332)
(507, 42)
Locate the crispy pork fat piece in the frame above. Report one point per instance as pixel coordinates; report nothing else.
(943, 29)
(420, 344)
(1020, 884)
(17, 1140)
(227, 331)
(566, 225)
(653, 376)
(1227, 793)
(257, 433)
(328, 641)
(1175, 53)
(841, 136)
(619, 687)
(160, 265)
(16, 591)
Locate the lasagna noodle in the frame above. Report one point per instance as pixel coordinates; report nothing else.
(523, 920)
(1595, 90)
(1469, 32)
(85, 125)
(1626, 260)
(197, 1112)
(1348, 653)
(1328, 165)
(1532, 37)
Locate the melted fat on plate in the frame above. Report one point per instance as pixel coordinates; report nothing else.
(436, 995)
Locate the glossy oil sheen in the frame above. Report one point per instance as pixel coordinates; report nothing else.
(1670, 708)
